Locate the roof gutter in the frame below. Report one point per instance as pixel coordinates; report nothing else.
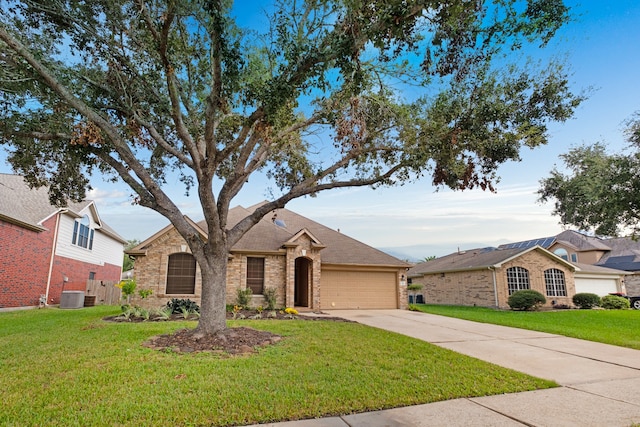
(21, 223)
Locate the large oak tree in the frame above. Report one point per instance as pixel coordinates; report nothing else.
(329, 94)
(598, 191)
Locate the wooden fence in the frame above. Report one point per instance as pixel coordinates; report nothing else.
(105, 292)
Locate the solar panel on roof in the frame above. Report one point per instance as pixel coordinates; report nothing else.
(545, 242)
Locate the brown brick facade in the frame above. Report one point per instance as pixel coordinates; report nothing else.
(279, 273)
(488, 287)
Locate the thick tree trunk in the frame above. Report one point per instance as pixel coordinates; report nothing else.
(213, 267)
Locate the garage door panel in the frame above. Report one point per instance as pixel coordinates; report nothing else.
(353, 290)
(596, 286)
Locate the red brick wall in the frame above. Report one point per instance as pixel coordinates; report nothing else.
(24, 263)
(78, 273)
(24, 267)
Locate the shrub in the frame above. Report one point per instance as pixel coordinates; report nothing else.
(270, 297)
(614, 302)
(243, 297)
(526, 300)
(128, 288)
(586, 300)
(178, 306)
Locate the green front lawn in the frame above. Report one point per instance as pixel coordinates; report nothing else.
(68, 367)
(616, 327)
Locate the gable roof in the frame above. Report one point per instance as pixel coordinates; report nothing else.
(273, 231)
(141, 248)
(582, 242)
(478, 259)
(30, 207)
(283, 227)
(620, 253)
(574, 239)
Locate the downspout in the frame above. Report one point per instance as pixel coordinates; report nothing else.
(495, 285)
(53, 253)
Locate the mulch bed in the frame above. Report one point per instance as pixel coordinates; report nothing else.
(231, 341)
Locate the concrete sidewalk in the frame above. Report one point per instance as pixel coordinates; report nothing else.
(600, 383)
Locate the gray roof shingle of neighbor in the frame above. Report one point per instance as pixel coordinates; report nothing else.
(26, 205)
(582, 241)
(624, 254)
(474, 259)
(267, 235)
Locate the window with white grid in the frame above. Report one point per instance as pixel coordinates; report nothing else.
(517, 279)
(554, 283)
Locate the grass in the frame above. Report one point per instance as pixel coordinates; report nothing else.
(68, 367)
(616, 327)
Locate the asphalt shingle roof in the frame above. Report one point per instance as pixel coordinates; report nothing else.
(26, 205)
(474, 259)
(583, 242)
(267, 235)
(30, 206)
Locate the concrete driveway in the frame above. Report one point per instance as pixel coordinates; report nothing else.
(601, 383)
(568, 361)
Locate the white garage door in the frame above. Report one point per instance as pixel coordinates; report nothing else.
(598, 286)
(355, 289)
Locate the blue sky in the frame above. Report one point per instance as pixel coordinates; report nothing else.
(602, 47)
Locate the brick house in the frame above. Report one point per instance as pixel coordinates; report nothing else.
(310, 266)
(605, 265)
(487, 276)
(45, 250)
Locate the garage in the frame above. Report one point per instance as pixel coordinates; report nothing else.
(341, 289)
(598, 280)
(596, 285)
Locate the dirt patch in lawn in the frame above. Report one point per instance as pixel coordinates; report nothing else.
(240, 340)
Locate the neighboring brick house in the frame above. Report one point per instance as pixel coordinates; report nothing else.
(605, 265)
(45, 250)
(309, 265)
(487, 276)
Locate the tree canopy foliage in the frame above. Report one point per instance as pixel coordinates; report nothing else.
(329, 94)
(599, 191)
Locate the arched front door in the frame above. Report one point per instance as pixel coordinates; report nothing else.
(303, 280)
